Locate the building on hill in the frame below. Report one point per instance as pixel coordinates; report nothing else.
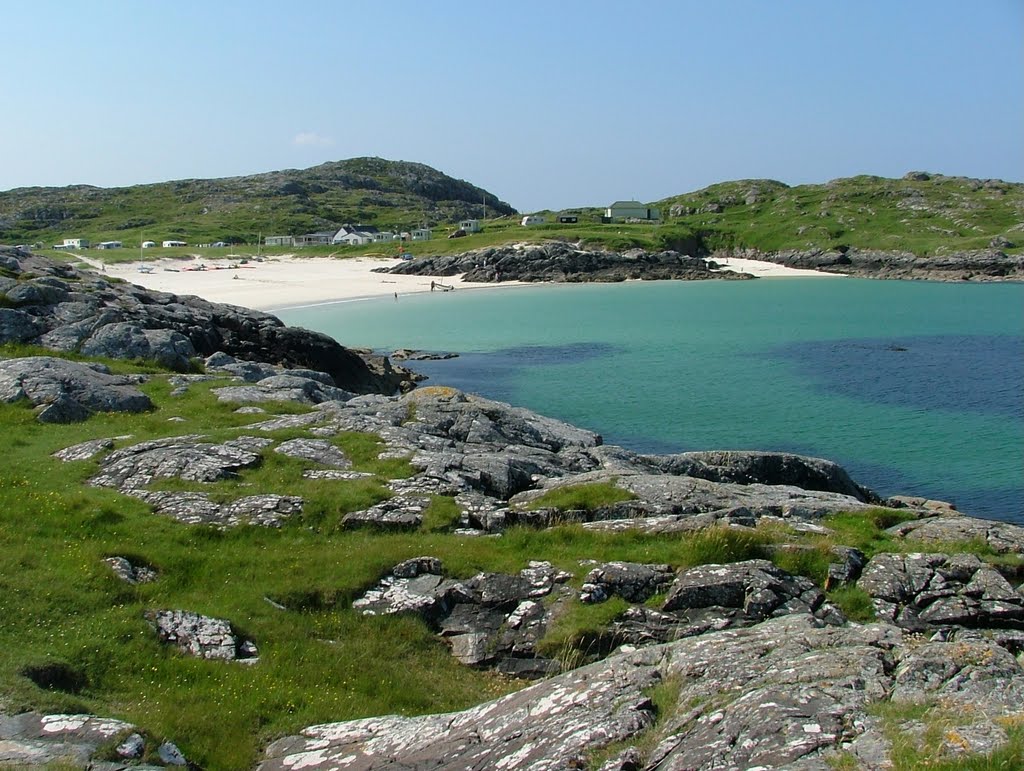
(109, 245)
(470, 226)
(75, 243)
(624, 210)
(532, 219)
(420, 234)
(170, 243)
(279, 241)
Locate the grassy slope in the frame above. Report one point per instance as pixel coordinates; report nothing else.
(320, 661)
(925, 216)
(238, 209)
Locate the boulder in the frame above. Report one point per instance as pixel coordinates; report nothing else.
(201, 636)
(68, 391)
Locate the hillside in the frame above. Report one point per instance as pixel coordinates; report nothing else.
(237, 209)
(926, 214)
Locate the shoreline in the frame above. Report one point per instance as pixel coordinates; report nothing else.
(289, 281)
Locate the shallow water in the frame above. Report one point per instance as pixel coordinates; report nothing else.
(915, 387)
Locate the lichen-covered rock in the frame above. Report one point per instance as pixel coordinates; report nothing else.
(34, 740)
(1001, 537)
(264, 510)
(201, 636)
(68, 391)
(317, 450)
(397, 514)
(492, 619)
(130, 573)
(918, 591)
(629, 580)
(180, 457)
(783, 694)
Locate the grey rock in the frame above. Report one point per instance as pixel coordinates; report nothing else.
(489, 620)
(132, 747)
(1002, 537)
(766, 468)
(73, 390)
(400, 513)
(18, 327)
(785, 693)
(30, 739)
(921, 591)
(85, 450)
(129, 341)
(631, 581)
(264, 510)
(131, 573)
(748, 592)
(285, 388)
(200, 636)
(183, 457)
(316, 450)
(171, 755)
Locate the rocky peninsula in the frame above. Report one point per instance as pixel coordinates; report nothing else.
(823, 626)
(561, 261)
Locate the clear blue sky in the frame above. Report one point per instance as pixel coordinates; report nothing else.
(545, 104)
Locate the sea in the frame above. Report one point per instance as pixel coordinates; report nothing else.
(915, 387)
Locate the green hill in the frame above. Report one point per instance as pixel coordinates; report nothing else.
(388, 194)
(921, 213)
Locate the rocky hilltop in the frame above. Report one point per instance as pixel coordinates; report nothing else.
(831, 628)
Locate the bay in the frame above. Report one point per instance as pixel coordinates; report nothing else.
(915, 387)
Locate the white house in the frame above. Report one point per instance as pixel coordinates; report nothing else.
(108, 245)
(148, 244)
(622, 210)
(76, 243)
(168, 244)
(420, 234)
(355, 238)
(532, 219)
(470, 226)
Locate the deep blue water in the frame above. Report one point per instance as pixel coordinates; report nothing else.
(916, 388)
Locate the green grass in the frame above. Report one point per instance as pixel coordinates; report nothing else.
(320, 661)
(927, 217)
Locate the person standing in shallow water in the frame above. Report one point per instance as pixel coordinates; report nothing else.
(396, 295)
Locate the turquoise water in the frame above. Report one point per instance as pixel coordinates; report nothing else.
(915, 387)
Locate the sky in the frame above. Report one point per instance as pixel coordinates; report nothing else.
(547, 104)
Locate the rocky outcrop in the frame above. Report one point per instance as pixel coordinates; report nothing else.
(34, 740)
(786, 693)
(562, 262)
(56, 306)
(982, 265)
(202, 636)
(66, 391)
(491, 619)
(1001, 537)
(927, 591)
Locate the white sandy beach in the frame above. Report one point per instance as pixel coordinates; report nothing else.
(289, 281)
